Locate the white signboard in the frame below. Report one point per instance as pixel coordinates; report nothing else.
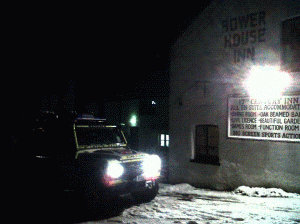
(276, 119)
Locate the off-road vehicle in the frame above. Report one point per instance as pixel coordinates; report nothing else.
(90, 158)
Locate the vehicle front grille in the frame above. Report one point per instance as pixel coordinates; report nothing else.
(132, 170)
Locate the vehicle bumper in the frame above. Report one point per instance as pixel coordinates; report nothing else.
(125, 187)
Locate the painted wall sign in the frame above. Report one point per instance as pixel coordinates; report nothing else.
(241, 34)
(276, 119)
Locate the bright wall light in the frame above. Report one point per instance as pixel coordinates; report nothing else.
(266, 82)
(133, 121)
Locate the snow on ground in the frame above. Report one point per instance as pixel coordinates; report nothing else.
(263, 192)
(183, 203)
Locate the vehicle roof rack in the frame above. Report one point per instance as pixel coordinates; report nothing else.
(89, 117)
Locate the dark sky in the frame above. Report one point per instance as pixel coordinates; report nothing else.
(132, 46)
(109, 50)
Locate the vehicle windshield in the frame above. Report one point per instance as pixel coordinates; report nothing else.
(92, 136)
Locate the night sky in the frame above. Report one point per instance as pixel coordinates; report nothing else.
(106, 52)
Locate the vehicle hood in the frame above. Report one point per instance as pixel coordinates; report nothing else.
(121, 154)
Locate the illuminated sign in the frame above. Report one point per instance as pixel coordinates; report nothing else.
(277, 119)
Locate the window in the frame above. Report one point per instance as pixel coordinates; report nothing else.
(206, 144)
(164, 140)
(290, 44)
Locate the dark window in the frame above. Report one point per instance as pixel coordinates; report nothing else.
(290, 44)
(206, 144)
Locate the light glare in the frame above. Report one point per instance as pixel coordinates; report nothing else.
(114, 169)
(133, 120)
(266, 82)
(151, 166)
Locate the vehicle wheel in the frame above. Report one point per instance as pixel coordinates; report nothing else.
(146, 195)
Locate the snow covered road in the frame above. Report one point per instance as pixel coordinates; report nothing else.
(185, 204)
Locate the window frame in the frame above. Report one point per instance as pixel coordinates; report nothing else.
(209, 154)
(164, 140)
(286, 44)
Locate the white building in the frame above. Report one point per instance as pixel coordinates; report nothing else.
(235, 97)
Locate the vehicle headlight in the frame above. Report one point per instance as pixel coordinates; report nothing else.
(114, 169)
(151, 166)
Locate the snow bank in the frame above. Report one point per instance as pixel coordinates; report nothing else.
(179, 188)
(263, 192)
(242, 190)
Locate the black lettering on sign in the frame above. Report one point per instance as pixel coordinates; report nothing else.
(295, 114)
(253, 20)
(238, 126)
(262, 18)
(227, 41)
(291, 127)
(234, 107)
(261, 35)
(243, 54)
(252, 36)
(236, 120)
(233, 24)
(243, 21)
(242, 32)
(244, 107)
(236, 133)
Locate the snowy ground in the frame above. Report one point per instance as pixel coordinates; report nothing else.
(185, 204)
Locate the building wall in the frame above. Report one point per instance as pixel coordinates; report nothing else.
(205, 71)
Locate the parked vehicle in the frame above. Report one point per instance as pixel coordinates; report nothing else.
(91, 158)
